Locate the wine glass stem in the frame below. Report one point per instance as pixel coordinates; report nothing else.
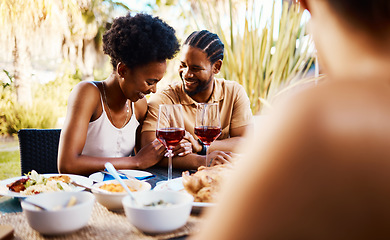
(208, 161)
(170, 164)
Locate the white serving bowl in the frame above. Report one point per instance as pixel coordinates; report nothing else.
(162, 218)
(113, 200)
(60, 221)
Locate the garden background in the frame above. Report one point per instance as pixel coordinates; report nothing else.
(48, 46)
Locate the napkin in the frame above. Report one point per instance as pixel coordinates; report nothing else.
(110, 177)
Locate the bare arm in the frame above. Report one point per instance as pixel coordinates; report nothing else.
(141, 108)
(83, 105)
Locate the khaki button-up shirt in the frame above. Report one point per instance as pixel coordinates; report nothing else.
(234, 106)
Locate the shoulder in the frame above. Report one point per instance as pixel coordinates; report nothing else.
(85, 91)
(172, 89)
(169, 94)
(232, 91)
(84, 103)
(336, 111)
(231, 87)
(87, 85)
(140, 108)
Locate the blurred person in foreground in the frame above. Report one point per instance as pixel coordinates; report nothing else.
(103, 117)
(320, 166)
(201, 59)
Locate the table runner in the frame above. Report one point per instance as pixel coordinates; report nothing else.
(103, 224)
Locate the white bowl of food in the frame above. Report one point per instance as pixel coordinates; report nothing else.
(158, 211)
(66, 211)
(113, 193)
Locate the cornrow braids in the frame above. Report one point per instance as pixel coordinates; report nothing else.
(208, 42)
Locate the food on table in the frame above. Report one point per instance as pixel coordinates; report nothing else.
(63, 178)
(158, 204)
(18, 185)
(72, 201)
(35, 183)
(116, 187)
(205, 184)
(133, 184)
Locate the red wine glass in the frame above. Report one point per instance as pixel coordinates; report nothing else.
(207, 125)
(170, 129)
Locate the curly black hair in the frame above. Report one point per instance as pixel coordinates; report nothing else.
(139, 39)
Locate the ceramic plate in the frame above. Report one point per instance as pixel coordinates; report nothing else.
(77, 178)
(176, 184)
(98, 176)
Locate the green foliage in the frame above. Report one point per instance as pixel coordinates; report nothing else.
(103, 72)
(253, 56)
(49, 103)
(9, 164)
(10, 77)
(57, 92)
(16, 116)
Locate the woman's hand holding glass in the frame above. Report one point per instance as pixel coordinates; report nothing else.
(150, 154)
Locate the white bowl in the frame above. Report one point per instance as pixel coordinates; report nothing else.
(63, 220)
(162, 218)
(113, 200)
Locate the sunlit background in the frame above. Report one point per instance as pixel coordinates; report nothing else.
(48, 46)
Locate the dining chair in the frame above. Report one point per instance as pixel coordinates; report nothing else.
(39, 150)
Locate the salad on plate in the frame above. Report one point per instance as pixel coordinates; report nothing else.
(35, 183)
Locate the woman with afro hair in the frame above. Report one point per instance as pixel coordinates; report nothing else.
(103, 117)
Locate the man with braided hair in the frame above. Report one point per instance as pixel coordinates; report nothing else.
(201, 58)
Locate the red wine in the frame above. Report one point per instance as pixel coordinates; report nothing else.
(207, 133)
(170, 137)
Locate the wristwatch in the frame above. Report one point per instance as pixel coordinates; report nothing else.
(204, 148)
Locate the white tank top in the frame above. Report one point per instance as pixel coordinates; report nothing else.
(106, 140)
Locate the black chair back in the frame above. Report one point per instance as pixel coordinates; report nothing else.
(39, 150)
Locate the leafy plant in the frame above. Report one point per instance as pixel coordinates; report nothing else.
(254, 57)
(10, 78)
(48, 104)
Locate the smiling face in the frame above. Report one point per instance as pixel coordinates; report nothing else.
(196, 71)
(141, 80)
